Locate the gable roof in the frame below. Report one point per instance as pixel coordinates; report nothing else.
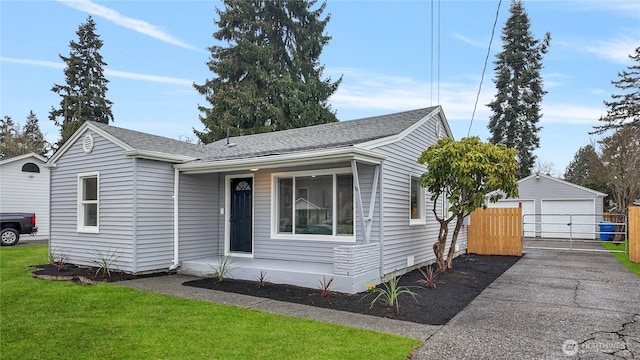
(325, 136)
(22, 157)
(322, 140)
(563, 182)
(137, 144)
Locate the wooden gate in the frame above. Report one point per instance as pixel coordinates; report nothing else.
(495, 231)
(634, 234)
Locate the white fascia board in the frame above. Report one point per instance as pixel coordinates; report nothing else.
(81, 130)
(22, 157)
(532, 176)
(274, 161)
(160, 156)
(393, 138)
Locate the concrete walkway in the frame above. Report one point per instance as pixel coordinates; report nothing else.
(549, 305)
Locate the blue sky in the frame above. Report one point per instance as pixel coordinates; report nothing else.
(156, 50)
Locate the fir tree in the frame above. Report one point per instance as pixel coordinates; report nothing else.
(516, 106)
(84, 92)
(9, 134)
(624, 108)
(33, 137)
(268, 77)
(14, 141)
(586, 169)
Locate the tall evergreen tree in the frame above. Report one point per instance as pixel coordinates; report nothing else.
(586, 169)
(14, 141)
(33, 137)
(516, 106)
(9, 134)
(84, 92)
(268, 77)
(624, 108)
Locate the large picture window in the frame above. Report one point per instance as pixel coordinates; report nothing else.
(314, 205)
(417, 214)
(88, 200)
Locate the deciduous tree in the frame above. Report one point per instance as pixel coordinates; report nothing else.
(621, 158)
(268, 77)
(463, 172)
(516, 106)
(83, 96)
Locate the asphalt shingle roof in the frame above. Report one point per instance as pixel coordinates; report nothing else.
(333, 135)
(148, 142)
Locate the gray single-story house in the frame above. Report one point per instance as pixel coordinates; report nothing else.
(24, 187)
(550, 204)
(339, 200)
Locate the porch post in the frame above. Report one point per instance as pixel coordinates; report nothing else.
(176, 219)
(356, 183)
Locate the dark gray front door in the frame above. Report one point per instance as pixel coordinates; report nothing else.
(241, 227)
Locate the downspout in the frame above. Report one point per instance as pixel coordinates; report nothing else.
(381, 222)
(176, 218)
(134, 216)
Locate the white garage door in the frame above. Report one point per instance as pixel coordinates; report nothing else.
(568, 218)
(528, 211)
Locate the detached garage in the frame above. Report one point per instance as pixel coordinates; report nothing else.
(554, 208)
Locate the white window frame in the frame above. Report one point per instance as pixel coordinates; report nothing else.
(81, 228)
(275, 234)
(421, 199)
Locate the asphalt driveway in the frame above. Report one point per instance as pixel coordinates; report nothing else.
(549, 305)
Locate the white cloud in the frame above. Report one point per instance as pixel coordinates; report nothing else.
(41, 63)
(140, 26)
(617, 49)
(470, 41)
(362, 92)
(108, 72)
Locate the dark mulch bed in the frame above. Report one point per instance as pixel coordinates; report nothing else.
(79, 274)
(455, 289)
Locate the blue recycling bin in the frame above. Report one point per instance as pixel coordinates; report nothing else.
(606, 230)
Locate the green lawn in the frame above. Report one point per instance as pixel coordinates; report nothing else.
(42, 319)
(622, 257)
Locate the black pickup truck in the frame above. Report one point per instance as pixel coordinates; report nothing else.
(14, 224)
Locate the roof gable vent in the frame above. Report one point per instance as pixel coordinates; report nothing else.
(87, 144)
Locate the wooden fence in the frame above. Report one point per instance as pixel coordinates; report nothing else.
(495, 231)
(634, 234)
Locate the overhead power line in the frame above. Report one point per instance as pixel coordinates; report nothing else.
(486, 60)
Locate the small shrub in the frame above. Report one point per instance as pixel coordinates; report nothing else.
(261, 281)
(325, 286)
(58, 258)
(223, 269)
(429, 277)
(105, 260)
(390, 293)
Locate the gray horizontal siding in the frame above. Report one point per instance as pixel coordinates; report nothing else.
(200, 202)
(543, 188)
(115, 194)
(153, 215)
(400, 239)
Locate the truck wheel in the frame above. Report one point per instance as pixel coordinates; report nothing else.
(9, 236)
